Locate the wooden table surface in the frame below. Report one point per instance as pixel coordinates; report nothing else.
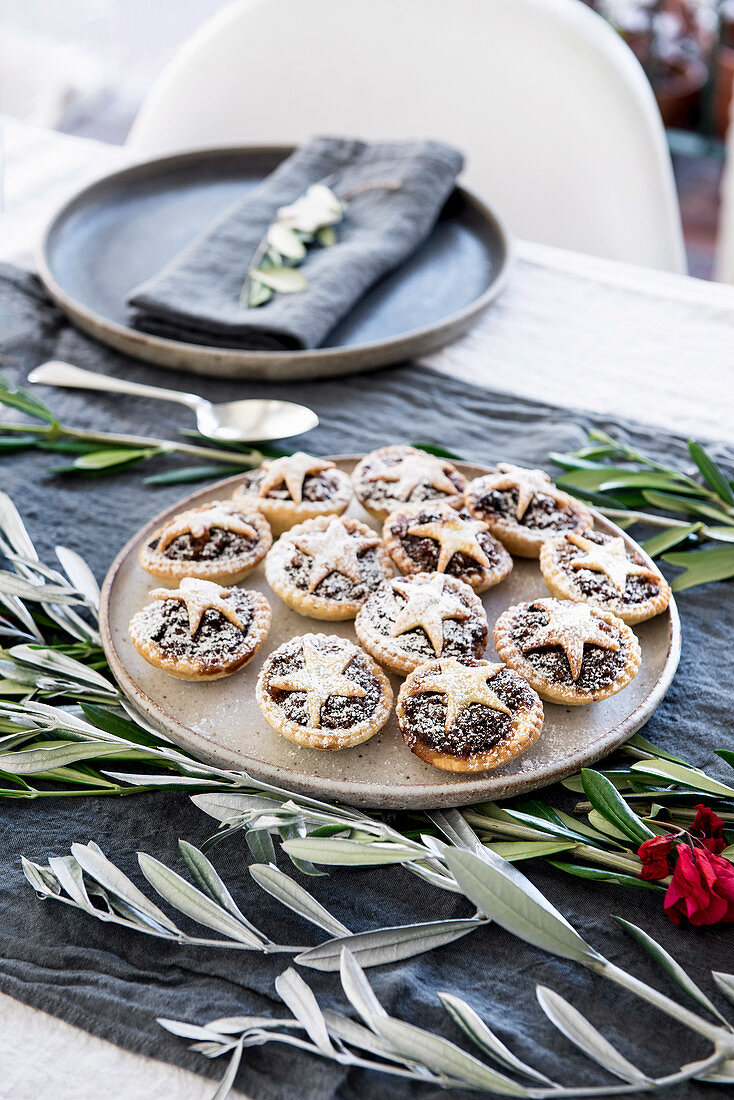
(569, 329)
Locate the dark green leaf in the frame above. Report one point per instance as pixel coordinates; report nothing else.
(192, 473)
(669, 538)
(440, 452)
(674, 502)
(17, 442)
(607, 801)
(637, 741)
(118, 726)
(711, 472)
(702, 566)
(727, 755)
(609, 478)
(595, 874)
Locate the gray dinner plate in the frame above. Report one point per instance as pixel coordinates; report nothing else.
(220, 723)
(120, 230)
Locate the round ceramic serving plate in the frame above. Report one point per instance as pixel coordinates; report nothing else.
(220, 722)
(119, 231)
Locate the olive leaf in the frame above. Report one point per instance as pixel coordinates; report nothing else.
(585, 1036)
(672, 968)
(475, 1028)
(307, 221)
(503, 894)
(388, 945)
(295, 897)
(607, 801)
(711, 472)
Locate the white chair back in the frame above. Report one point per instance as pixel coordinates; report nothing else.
(559, 125)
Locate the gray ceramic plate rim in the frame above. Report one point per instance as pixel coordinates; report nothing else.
(416, 796)
(235, 363)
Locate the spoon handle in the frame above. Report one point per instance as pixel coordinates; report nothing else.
(57, 373)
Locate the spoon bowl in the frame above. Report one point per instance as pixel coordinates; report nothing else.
(246, 421)
(254, 420)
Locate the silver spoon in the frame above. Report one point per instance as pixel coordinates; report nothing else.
(232, 422)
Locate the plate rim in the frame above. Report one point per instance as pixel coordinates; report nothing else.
(458, 794)
(235, 362)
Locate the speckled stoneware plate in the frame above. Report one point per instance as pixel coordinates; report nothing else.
(220, 722)
(114, 234)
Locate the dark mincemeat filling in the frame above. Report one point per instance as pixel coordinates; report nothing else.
(218, 545)
(338, 712)
(637, 588)
(478, 729)
(599, 668)
(335, 586)
(216, 639)
(461, 638)
(424, 552)
(378, 491)
(543, 513)
(316, 487)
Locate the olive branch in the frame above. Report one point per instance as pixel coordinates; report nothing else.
(69, 748)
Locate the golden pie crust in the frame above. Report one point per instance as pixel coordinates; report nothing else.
(602, 570)
(346, 554)
(553, 628)
(201, 631)
(525, 531)
(280, 489)
(323, 669)
(392, 476)
(464, 684)
(410, 620)
(205, 526)
(451, 532)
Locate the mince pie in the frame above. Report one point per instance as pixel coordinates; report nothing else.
(392, 476)
(413, 619)
(323, 692)
(219, 541)
(435, 538)
(569, 652)
(327, 567)
(294, 488)
(468, 716)
(201, 631)
(523, 508)
(600, 569)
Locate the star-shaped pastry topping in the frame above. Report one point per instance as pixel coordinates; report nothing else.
(320, 678)
(454, 535)
(529, 483)
(570, 626)
(414, 470)
(426, 605)
(334, 550)
(608, 557)
(291, 470)
(200, 522)
(463, 685)
(200, 596)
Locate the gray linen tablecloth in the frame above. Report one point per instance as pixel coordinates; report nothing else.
(114, 983)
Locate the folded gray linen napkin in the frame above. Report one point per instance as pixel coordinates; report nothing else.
(196, 296)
